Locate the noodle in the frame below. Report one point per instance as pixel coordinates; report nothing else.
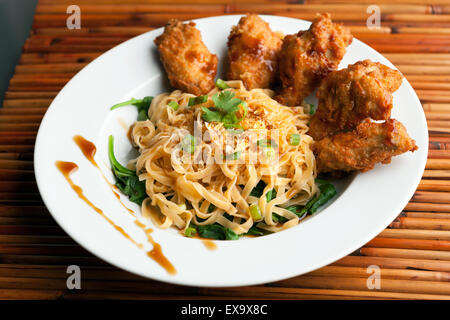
(203, 188)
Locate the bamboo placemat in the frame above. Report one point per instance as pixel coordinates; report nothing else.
(413, 253)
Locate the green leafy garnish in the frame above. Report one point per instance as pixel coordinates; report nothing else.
(217, 232)
(141, 104)
(224, 110)
(312, 109)
(327, 191)
(126, 180)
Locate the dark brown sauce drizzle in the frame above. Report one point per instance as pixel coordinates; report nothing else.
(67, 168)
(89, 149)
(211, 245)
(156, 253)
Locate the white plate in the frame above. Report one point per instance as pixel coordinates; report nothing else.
(362, 209)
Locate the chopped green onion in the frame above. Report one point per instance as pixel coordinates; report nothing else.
(233, 156)
(255, 212)
(245, 107)
(190, 231)
(174, 105)
(294, 139)
(267, 143)
(221, 84)
(197, 100)
(269, 153)
(312, 109)
(188, 144)
(182, 206)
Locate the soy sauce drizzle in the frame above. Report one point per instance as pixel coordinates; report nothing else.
(209, 244)
(156, 254)
(68, 168)
(89, 149)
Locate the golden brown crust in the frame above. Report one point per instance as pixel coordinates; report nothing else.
(368, 144)
(253, 50)
(348, 96)
(188, 63)
(307, 57)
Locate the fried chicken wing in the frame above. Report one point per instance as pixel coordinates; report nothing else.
(308, 56)
(368, 144)
(253, 50)
(348, 96)
(188, 63)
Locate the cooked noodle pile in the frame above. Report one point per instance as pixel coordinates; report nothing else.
(207, 185)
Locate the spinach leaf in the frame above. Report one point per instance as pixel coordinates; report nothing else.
(217, 232)
(141, 104)
(126, 180)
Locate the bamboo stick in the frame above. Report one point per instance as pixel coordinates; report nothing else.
(22, 110)
(430, 215)
(407, 254)
(27, 95)
(439, 129)
(417, 56)
(439, 154)
(37, 58)
(440, 164)
(347, 283)
(34, 240)
(32, 230)
(54, 250)
(13, 119)
(50, 68)
(293, 293)
(18, 187)
(121, 8)
(16, 156)
(394, 263)
(17, 165)
(421, 223)
(385, 273)
(437, 115)
(437, 207)
(16, 175)
(29, 103)
(96, 31)
(415, 234)
(423, 69)
(50, 260)
(434, 185)
(414, 30)
(409, 244)
(24, 211)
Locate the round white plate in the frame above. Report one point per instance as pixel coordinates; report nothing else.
(365, 205)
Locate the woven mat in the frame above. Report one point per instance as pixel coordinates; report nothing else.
(413, 252)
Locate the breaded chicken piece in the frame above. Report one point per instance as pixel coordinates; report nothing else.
(369, 143)
(308, 56)
(348, 96)
(253, 50)
(188, 63)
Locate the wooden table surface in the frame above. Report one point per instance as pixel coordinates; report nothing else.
(413, 252)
